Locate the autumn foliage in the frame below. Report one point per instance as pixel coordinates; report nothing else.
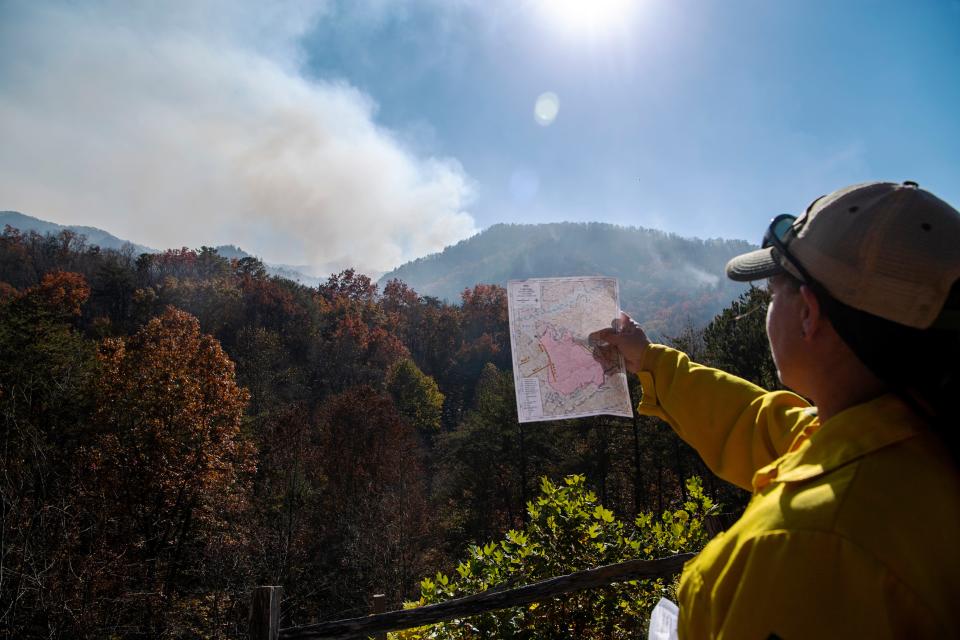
(179, 427)
(170, 468)
(171, 412)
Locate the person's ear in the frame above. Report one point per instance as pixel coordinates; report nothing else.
(812, 318)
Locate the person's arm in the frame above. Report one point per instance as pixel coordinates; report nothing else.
(734, 425)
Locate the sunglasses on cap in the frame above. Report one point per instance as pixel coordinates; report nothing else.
(778, 235)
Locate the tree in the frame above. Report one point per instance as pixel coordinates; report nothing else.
(16, 263)
(485, 313)
(171, 466)
(349, 284)
(266, 367)
(568, 530)
(417, 397)
(736, 340)
(488, 462)
(46, 370)
(398, 297)
(211, 265)
(431, 330)
(249, 267)
(288, 496)
(357, 345)
(372, 530)
(113, 287)
(483, 338)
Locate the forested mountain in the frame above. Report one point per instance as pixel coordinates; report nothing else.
(105, 240)
(178, 427)
(665, 280)
(94, 236)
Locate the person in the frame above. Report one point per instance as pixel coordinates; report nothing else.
(853, 528)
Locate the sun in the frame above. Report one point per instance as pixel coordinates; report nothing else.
(587, 16)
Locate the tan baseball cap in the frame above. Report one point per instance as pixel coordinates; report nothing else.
(892, 250)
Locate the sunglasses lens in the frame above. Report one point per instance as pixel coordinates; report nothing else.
(781, 226)
(776, 236)
(777, 230)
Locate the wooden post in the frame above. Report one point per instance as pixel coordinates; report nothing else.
(265, 613)
(379, 606)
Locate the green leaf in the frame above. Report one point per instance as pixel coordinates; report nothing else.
(603, 514)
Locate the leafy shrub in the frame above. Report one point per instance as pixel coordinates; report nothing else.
(568, 530)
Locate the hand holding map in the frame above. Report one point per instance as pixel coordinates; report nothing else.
(557, 371)
(624, 339)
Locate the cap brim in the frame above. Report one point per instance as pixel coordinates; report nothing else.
(755, 265)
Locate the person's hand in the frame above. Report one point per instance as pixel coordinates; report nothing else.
(625, 338)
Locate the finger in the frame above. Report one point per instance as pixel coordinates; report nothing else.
(606, 355)
(631, 327)
(603, 335)
(609, 338)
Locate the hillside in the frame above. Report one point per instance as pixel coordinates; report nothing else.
(94, 236)
(356, 442)
(106, 240)
(666, 281)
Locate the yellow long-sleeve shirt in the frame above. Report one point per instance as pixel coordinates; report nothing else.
(853, 530)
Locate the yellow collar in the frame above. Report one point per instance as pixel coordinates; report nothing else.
(850, 434)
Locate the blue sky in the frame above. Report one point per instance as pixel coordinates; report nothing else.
(692, 116)
(370, 132)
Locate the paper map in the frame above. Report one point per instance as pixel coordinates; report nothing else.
(554, 368)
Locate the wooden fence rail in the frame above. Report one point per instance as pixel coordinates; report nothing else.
(490, 600)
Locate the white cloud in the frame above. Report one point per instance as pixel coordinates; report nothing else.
(190, 124)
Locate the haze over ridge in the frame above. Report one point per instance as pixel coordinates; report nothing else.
(664, 279)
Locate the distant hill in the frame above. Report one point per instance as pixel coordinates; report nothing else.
(297, 272)
(105, 240)
(666, 281)
(94, 236)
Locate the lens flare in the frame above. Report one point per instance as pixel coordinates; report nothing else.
(546, 108)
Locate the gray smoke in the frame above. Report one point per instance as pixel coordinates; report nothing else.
(185, 124)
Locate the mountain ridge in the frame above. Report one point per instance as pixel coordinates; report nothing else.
(666, 280)
(106, 240)
(94, 235)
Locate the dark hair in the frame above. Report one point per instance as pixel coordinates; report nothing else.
(920, 365)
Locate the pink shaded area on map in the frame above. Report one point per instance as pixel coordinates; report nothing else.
(573, 366)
